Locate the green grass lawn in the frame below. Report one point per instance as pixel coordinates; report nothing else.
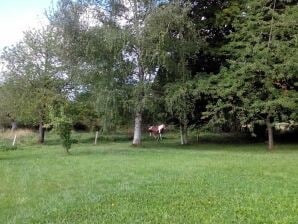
(157, 183)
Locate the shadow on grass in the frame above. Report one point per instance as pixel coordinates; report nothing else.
(90, 140)
(227, 144)
(83, 145)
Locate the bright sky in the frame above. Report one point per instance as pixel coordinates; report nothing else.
(17, 16)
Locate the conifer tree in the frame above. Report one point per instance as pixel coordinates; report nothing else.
(259, 84)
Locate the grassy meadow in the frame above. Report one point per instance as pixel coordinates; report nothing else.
(160, 182)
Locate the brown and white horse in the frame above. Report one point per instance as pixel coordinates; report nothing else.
(156, 131)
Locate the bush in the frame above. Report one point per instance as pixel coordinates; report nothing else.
(62, 125)
(63, 128)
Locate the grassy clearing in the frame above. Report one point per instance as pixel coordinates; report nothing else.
(158, 183)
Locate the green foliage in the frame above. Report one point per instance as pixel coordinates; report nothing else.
(259, 81)
(83, 112)
(172, 38)
(63, 128)
(180, 99)
(160, 61)
(62, 125)
(32, 76)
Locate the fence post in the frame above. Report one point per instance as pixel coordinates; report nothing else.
(14, 140)
(96, 136)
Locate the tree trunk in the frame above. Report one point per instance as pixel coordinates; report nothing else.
(270, 133)
(13, 126)
(183, 133)
(41, 133)
(137, 130)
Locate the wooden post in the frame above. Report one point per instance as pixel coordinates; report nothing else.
(96, 136)
(14, 140)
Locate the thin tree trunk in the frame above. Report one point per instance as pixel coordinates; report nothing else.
(13, 126)
(270, 134)
(137, 129)
(41, 133)
(268, 123)
(183, 133)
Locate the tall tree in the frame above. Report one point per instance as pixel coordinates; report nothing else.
(142, 70)
(9, 105)
(174, 40)
(259, 84)
(35, 76)
(115, 56)
(108, 75)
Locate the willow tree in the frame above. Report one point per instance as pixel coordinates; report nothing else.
(174, 40)
(114, 62)
(107, 75)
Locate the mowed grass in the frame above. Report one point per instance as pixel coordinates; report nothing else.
(157, 183)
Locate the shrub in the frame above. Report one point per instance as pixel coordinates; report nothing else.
(63, 126)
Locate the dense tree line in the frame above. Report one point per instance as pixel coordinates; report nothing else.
(216, 63)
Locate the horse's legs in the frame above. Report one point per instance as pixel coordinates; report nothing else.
(159, 137)
(154, 135)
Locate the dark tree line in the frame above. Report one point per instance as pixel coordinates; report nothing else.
(216, 63)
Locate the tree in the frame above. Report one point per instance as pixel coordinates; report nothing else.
(82, 110)
(180, 102)
(115, 61)
(135, 50)
(35, 76)
(9, 105)
(259, 84)
(108, 76)
(62, 124)
(173, 41)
